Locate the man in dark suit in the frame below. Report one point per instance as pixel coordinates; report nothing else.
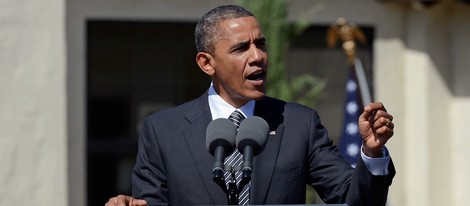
(173, 166)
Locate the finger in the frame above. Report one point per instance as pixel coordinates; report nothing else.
(379, 119)
(382, 129)
(383, 122)
(381, 114)
(385, 131)
(390, 125)
(112, 202)
(123, 200)
(374, 107)
(377, 106)
(370, 110)
(365, 116)
(137, 202)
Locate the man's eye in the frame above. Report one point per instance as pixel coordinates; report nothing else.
(241, 48)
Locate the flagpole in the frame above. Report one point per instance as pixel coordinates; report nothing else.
(348, 33)
(362, 81)
(357, 88)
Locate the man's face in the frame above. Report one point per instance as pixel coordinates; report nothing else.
(240, 61)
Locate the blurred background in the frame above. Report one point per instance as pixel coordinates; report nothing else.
(78, 76)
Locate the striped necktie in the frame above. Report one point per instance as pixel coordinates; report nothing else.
(235, 159)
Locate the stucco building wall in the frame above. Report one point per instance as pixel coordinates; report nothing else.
(33, 139)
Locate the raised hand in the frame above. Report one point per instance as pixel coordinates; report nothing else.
(376, 128)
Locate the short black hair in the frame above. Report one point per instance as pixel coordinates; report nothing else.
(206, 29)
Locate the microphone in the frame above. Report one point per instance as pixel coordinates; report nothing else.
(220, 141)
(251, 138)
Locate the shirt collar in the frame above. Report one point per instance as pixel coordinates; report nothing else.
(221, 109)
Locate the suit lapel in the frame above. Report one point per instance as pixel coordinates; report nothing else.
(265, 162)
(195, 135)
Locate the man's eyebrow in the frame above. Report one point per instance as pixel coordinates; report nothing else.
(247, 43)
(260, 40)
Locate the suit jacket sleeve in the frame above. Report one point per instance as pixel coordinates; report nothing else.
(149, 179)
(368, 189)
(335, 181)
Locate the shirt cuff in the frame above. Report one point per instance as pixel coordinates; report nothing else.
(377, 166)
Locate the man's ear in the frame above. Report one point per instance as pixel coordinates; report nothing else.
(205, 62)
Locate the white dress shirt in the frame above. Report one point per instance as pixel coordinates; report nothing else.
(221, 109)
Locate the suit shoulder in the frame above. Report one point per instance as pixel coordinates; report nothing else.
(291, 106)
(175, 112)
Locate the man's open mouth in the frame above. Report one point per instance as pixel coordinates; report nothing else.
(256, 76)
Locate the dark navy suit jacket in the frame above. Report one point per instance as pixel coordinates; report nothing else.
(173, 166)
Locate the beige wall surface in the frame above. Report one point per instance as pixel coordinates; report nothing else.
(459, 109)
(32, 103)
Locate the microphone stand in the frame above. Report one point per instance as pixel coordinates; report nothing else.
(233, 192)
(219, 179)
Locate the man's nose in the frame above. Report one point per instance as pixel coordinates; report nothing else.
(257, 55)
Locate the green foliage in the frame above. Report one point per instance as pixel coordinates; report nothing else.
(272, 15)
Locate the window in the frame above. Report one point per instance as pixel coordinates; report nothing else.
(133, 69)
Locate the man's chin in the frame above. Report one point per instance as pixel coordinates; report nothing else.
(259, 96)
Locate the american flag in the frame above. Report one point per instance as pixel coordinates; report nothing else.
(350, 142)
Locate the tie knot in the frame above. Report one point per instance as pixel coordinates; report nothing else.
(236, 117)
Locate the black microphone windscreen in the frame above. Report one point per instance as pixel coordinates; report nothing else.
(253, 131)
(221, 132)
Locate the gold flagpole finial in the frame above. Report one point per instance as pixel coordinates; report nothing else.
(348, 33)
